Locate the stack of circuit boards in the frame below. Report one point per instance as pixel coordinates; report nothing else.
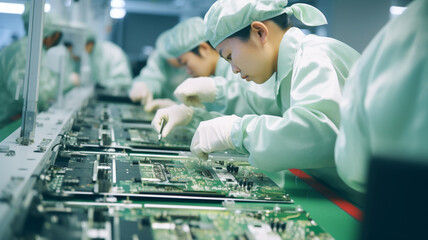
(113, 179)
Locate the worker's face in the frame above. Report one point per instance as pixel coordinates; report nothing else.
(52, 40)
(248, 58)
(196, 66)
(174, 62)
(202, 64)
(89, 47)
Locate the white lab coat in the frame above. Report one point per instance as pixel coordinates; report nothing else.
(385, 102)
(310, 77)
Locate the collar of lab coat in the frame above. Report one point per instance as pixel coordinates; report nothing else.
(288, 47)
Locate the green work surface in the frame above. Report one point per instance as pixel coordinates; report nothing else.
(8, 129)
(329, 216)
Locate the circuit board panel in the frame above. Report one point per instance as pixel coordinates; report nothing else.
(83, 220)
(123, 126)
(161, 175)
(105, 112)
(122, 135)
(101, 183)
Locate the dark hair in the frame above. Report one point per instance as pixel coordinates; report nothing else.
(90, 40)
(283, 21)
(196, 49)
(68, 44)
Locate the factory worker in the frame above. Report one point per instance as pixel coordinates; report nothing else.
(109, 64)
(60, 62)
(75, 58)
(224, 89)
(256, 38)
(158, 79)
(384, 108)
(13, 67)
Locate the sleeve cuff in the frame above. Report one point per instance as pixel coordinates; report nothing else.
(154, 88)
(237, 137)
(220, 84)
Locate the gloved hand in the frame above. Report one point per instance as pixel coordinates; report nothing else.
(195, 91)
(158, 104)
(75, 79)
(175, 115)
(213, 135)
(140, 92)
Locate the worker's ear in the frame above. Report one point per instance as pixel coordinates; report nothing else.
(205, 49)
(260, 31)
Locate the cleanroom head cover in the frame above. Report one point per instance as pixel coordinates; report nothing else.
(226, 17)
(185, 36)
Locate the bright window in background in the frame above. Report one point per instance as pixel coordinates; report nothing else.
(117, 3)
(17, 8)
(396, 10)
(47, 7)
(12, 8)
(398, 7)
(117, 10)
(117, 13)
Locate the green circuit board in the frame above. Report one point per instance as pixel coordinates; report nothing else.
(87, 220)
(105, 112)
(146, 137)
(163, 176)
(122, 126)
(127, 136)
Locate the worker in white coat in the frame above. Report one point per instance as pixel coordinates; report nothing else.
(224, 91)
(256, 38)
(109, 63)
(13, 60)
(310, 73)
(384, 108)
(158, 79)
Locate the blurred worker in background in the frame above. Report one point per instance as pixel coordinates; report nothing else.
(109, 64)
(13, 67)
(76, 59)
(60, 62)
(384, 109)
(159, 78)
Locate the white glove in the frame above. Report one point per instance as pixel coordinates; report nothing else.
(195, 91)
(176, 115)
(213, 135)
(140, 92)
(157, 104)
(75, 79)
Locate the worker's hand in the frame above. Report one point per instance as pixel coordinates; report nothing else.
(213, 135)
(176, 115)
(195, 91)
(75, 79)
(158, 104)
(140, 92)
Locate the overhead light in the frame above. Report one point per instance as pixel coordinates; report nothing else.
(18, 8)
(117, 13)
(47, 7)
(117, 3)
(396, 10)
(12, 8)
